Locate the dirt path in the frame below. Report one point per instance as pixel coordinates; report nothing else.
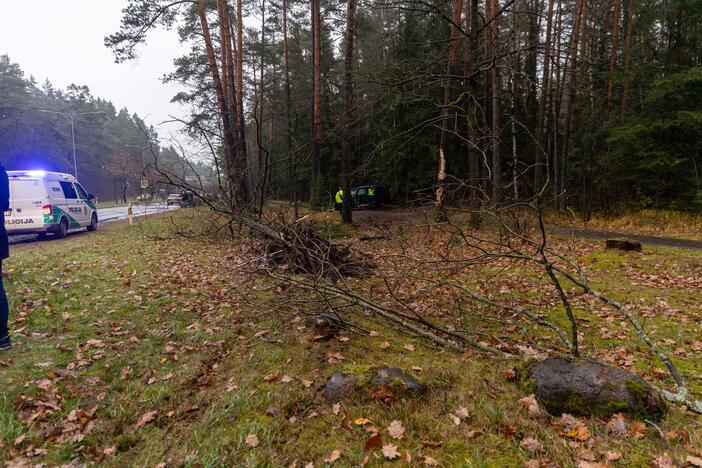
(650, 240)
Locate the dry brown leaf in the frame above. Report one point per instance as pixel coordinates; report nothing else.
(694, 461)
(384, 345)
(532, 444)
(373, 443)
(390, 452)
(662, 461)
(334, 456)
(374, 333)
(346, 421)
(146, 418)
(589, 464)
(638, 430)
(361, 421)
(251, 440)
(462, 413)
(271, 377)
(336, 408)
(612, 456)
(428, 461)
(430, 444)
(532, 406)
(396, 430)
(409, 347)
(617, 425)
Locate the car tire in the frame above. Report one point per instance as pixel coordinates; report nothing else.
(62, 232)
(92, 227)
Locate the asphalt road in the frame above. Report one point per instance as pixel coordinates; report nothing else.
(108, 215)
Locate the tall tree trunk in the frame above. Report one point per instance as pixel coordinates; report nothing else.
(243, 153)
(261, 151)
(347, 155)
(292, 163)
(495, 85)
(229, 134)
(541, 153)
(471, 111)
(316, 93)
(570, 103)
(613, 55)
(445, 120)
(473, 152)
(513, 106)
(631, 5)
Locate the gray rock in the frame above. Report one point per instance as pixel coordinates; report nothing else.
(584, 387)
(365, 381)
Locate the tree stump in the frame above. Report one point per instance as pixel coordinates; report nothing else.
(623, 244)
(584, 387)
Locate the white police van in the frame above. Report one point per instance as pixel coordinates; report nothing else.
(48, 202)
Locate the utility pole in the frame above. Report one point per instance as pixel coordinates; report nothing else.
(73, 132)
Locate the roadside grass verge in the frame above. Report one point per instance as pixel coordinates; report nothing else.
(133, 350)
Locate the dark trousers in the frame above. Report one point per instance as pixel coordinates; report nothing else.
(4, 308)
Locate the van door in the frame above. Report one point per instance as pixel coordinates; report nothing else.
(73, 208)
(86, 202)
(26, 201)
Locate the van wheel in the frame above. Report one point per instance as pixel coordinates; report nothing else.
(63, 229)
(93, 223)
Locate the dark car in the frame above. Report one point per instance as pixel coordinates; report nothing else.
(370, 196)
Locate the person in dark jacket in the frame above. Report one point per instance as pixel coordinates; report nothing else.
(4, 253)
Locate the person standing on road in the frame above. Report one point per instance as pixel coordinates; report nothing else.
(5, 343)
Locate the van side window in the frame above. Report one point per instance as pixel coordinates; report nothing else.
(68, 191)
(81, 192)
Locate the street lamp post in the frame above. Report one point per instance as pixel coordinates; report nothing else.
(73, 133)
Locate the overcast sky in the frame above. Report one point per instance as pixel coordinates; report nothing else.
(62, 40)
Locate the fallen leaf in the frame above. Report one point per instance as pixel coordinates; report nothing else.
(334, 456)
(373, 443)
(307, 383)
(428, 461)
(286, 379)
(532, 406)
(374, 333)
(612, 456)
(638, 430)
(409, 347)
(384, 345)
(146, 418)
(662, 461)
(361, 421)
(589, 464)
(251, 440)
(456, 420)
(694, 461)
(336, 408)
(346, 421)
(390, 452)
(408, 458)
(617, 425)
(271, 377)
(462, 413)
(396, 430)
(430, 444)
(532, 444)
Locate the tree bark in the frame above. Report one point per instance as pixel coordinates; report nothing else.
(346, 216)
(541, 153)
(631, 5)
(292, 169)
(445, 118)
(473, 152)
(613, 56)
(316, 92)
(495, 87)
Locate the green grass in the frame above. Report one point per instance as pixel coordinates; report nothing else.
(150, 301)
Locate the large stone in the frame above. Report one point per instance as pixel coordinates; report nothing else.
(370, 380)
(585, 387)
